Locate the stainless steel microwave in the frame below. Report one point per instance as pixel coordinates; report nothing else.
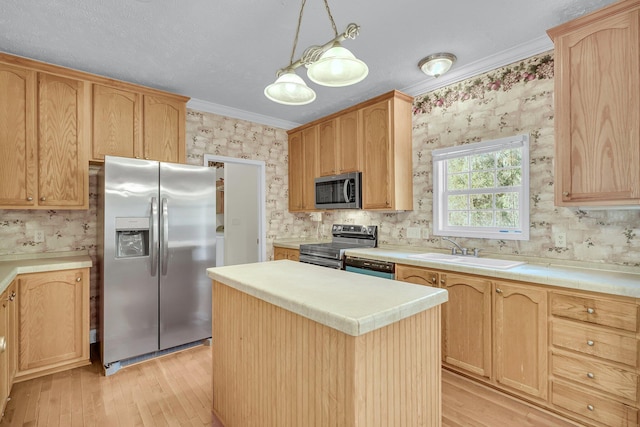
(339, 191)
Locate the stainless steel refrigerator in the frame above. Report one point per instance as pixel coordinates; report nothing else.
(158, 224)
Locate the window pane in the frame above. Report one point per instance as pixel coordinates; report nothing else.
(481, 201)
(507, 201)
(509, 158)
(460, 164)
(508, 219)
(457, 203)
(458, 218)
(509, 177)
(482, 179)
(483, 162)
(482, 219)
(459, 181)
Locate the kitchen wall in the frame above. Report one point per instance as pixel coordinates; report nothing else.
(512, 100)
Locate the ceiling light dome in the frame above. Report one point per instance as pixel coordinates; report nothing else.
(337, 67)
(437, 64)
(290, 89)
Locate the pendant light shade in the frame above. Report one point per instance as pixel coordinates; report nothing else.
(337, 67)
(437, 64)
(290, 89)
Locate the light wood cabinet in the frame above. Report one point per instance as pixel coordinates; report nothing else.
(45, 129)
(285, 253)
(467, 323)
(387, 172)
(339, 142)
(164, 133)
(303, 167)
(117, 118)
(417, 275)
(520, 338)
(54, 322)
(597, 107)
(328, 147)
(12, 330)
(5, 383)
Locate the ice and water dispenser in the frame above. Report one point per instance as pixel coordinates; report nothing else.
(132, 237)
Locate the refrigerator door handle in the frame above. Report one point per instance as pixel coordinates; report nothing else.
(164, 240)
(153, 241)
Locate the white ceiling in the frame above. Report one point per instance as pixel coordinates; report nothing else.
(223, 53)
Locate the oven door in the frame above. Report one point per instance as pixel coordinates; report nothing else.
(338, 191)
(324, 262)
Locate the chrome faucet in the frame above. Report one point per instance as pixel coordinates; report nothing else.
(463, 251)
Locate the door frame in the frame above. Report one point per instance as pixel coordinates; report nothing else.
(262, 223)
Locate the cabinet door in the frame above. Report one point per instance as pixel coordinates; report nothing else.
(63, 175)
(4, 347)
(54, 319)
(310, 167)
(279, 253)
(521, 338)
(296, 167)
(416, 275)
(598, 112)
(377, 173)
(116, 123)
(327, 143)
(164, 134)
(349, 140)
(17, 137)
(12, 327)
(293, 255)
(467, 324)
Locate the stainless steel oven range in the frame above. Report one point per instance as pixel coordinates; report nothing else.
(345, 236)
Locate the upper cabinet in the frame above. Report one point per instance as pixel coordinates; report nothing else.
(42, 140)
(597, 107)
(129, 123)
(374, 137)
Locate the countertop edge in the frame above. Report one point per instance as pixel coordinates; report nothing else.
(348, 325)
(9, 270)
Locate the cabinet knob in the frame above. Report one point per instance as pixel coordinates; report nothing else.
(137, 157)
(498, 290)
(565, 193)
(29, 199)
(42, 199)
(78, 279)
(3, 344)
(442, 281)
(434, 280)
(590, 375)
(590, 343)
(590, 310)
(590, 407)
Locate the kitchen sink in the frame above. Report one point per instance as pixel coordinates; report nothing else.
(502, 264)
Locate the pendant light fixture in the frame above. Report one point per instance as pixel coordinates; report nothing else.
(328, 65)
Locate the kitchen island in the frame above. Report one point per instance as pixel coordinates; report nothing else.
(301, 345)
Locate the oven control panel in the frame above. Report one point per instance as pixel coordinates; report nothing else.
(355, 231)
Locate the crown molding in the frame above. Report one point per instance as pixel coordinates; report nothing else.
(223, 110)
(500, 59)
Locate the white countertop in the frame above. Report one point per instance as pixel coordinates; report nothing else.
(11, 266)
(349, 302)
(622, 281)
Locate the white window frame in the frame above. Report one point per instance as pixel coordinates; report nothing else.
(440, 193)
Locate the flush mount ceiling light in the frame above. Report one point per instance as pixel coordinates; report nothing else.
(437, 64)
(328, 65)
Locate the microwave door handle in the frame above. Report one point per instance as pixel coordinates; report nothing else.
(346, 190)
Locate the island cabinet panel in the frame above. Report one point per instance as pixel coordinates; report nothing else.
(53, 322)
(597, 100)
(274, 368)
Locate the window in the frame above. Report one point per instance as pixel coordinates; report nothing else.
(482, 189)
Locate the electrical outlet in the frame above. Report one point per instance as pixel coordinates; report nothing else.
(413, 232)
(38, 236)
(561, 240)
(425, 233)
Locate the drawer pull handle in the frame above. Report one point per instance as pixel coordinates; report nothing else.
(498, 290)
(590, 375)
(590, 343)
(590, 407)
(590, 310)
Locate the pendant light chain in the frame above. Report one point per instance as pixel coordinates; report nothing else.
(333, 24)
(295, 40)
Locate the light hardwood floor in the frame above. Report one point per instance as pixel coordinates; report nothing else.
(175, 390)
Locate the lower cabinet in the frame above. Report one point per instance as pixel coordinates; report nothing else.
(573, 352)
(286, 253)
(8, 343)
(54, 322)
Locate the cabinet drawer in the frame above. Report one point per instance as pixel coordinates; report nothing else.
(616, 314)
(597, 408)
(616, 381)
(595, 341)
(416, 275)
